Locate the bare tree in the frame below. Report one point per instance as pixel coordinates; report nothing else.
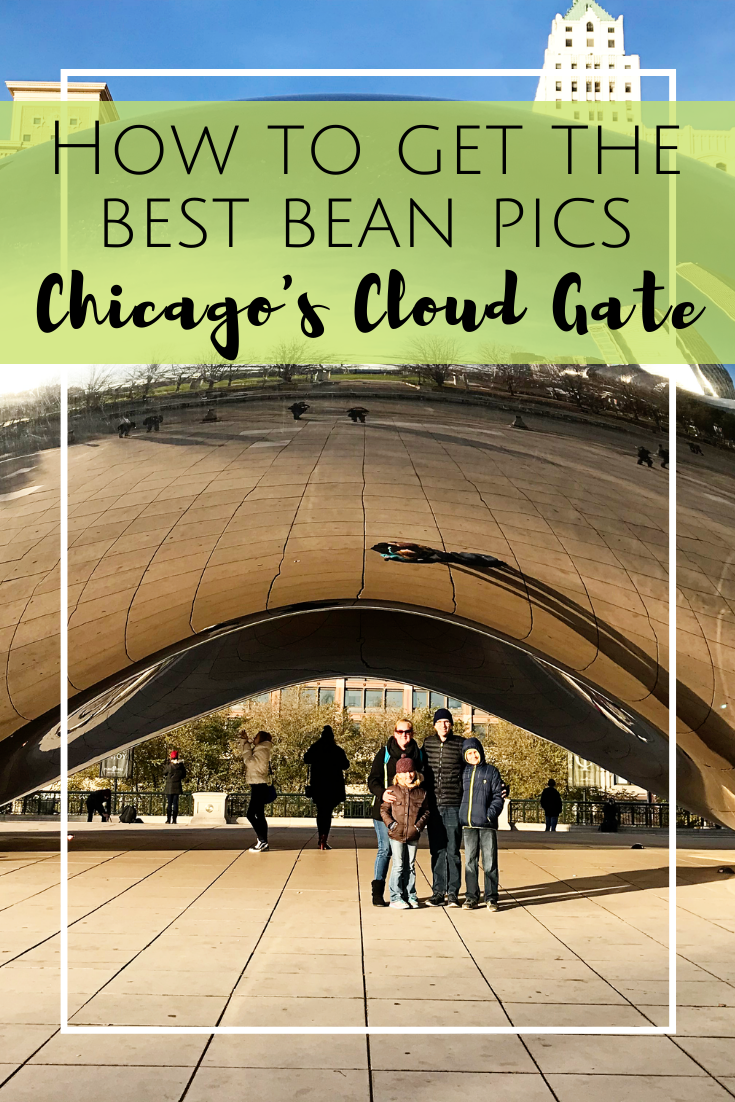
(432, 359)
(211, 373)
(180, 373)
(148, 376)
(575, 382)
(295, 357)
(96, 386)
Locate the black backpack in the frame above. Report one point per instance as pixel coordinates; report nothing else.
(129, 814)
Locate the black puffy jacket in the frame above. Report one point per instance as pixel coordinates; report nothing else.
(444, 765)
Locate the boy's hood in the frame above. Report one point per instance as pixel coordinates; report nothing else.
(473, 744)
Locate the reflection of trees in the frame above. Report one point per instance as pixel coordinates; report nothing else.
(295, 357)
(432, 359)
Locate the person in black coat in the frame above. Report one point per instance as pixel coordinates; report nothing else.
(551, 803)
(444, 766)
(99, 802)
(173, 773)
(327, 765)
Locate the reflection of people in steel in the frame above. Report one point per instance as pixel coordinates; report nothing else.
(153, 421)
(663, 454)
(357, 413)
(694, 448)
(400, 551)
(297, 409)
(644, 456)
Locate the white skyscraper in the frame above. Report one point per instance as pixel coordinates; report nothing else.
(585, 63)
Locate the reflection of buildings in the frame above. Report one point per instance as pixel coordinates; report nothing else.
(37, 106)
(585, 63)
(363, 696)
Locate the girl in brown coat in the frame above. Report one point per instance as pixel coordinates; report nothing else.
(405, 818)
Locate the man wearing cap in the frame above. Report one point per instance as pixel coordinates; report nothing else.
(444, 764)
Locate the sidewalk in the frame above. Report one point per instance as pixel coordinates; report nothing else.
(184, 928)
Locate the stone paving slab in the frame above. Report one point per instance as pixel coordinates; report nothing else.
(216, 935)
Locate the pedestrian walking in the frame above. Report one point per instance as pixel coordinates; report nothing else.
(297, 409)
(380, 780)
(482, 802)
(664, 457)
(327, 766)
(694, 448)
(644, 456)
(444, 764)
(256, 753)
(124, 426)
(152, 422)
(552, 804)
(174, 773)
(357, 413)
(405, 816)
(99, 803)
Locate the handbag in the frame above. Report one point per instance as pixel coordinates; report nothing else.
(270, 793)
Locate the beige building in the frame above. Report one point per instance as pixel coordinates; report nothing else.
(37, 106)
(363, 696)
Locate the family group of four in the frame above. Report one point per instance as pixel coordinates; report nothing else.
(446, 786)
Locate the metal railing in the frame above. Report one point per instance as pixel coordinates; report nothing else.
(633, 813)
(288, 804)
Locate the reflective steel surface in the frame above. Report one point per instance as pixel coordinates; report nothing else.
(213, 560)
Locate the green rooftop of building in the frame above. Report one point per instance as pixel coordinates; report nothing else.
(580, 8)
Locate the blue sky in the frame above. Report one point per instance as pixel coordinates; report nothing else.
(39, 36)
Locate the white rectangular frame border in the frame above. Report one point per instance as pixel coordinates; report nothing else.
(65, 74)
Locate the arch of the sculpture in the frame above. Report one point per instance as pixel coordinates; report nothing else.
(374, 640)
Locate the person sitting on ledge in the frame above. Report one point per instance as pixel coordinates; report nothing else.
(400, 551)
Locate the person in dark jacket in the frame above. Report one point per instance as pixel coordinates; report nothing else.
(444, 764)
(644, 456)
(327, 765)
(610, 817)
(381, 777)
(405, 816)
(99, 803)
(482, 802)
(551, 803)
(297, 409)
(153, 422)
(173, 773)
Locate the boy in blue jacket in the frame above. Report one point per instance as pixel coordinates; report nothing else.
(482, 802)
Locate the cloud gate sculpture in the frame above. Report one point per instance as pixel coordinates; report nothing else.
(214, 560)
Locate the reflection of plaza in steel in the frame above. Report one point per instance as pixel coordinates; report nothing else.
(215, 560)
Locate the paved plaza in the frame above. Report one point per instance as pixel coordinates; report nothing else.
(185, 927)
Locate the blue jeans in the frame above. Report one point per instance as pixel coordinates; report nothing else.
(445, 836)
(551, 821)
(403, 874)
(382, 859)
(485, 839)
